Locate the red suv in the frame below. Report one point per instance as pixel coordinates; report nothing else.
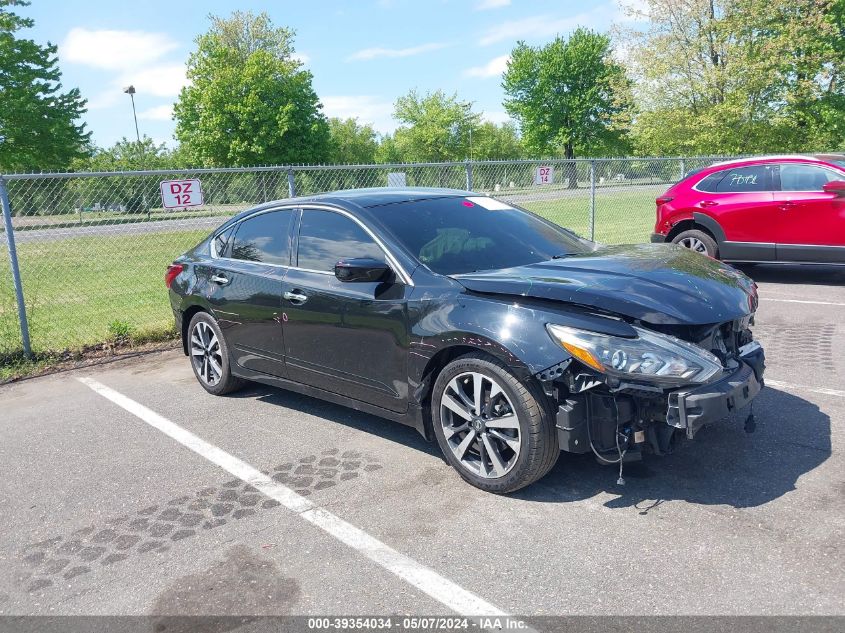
(769, 209)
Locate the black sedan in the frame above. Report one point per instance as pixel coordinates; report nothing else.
(504, 336)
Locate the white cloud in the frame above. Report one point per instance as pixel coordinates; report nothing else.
(373, 53)
(302, 58)
(366, 108)
(114, 50)
(165, 80)
(158, 113)
(484, 5)
(494, 68)
(542, 26)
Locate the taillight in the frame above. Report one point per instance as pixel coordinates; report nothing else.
(172, 273)
(663, 200)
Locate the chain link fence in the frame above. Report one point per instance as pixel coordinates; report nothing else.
(92, 247)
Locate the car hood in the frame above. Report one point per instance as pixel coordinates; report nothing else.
(655, 283)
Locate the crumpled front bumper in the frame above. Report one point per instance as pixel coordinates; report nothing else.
(691, 409)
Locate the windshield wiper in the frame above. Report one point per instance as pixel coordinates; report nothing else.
(563, 256)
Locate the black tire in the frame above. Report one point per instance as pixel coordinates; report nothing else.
(227, 383)
(694, 236)
(539, 447)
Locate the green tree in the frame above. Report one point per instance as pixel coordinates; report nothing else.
(736, 76)
(569, 96)
(351, 143)
(134, 193)
(39, 123)
(436, 127)
(496, 142)
(388, 151)
(250, 101)
(126, 155)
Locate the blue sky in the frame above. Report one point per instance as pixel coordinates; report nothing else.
(363, 54)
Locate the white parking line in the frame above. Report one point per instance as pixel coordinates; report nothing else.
(817, 303)
(822, 390)
(423, 578)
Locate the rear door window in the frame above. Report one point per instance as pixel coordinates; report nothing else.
(745, 179)
(264, 238)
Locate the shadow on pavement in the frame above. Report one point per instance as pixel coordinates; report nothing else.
(723, 465)
(812, 274)
(393, 431)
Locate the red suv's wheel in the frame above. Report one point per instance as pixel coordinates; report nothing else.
(697, 241)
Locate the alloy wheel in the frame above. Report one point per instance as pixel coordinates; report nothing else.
(206, 354)
(694, 244)
(480, 425)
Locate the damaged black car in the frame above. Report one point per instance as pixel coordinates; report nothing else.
(495, 332)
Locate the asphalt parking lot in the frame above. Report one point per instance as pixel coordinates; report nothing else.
(104, 512)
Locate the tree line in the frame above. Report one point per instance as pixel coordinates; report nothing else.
(686, 77)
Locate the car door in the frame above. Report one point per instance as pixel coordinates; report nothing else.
(244, 286)
(347, 338)
(741, 200)
(812, 222)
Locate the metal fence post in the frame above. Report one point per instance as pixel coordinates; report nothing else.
(469, 175)
(16, 273)
(683, 169)
(291, 184)
(592, 200)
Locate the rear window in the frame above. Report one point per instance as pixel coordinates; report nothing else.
(711, 182)
(264, 238)
(460, 235)
(738, 180)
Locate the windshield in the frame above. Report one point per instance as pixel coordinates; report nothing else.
(463, 235)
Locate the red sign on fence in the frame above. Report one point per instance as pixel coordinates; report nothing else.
(178, 194)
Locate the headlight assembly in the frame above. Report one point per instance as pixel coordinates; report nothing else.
(650, 357)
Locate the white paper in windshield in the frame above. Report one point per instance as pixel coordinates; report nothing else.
(491, 204)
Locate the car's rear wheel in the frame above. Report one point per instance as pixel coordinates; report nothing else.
(210, 356)
(697, 241)
(496, 431)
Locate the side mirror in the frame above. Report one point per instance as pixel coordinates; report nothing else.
(836, 187)
(361, 269)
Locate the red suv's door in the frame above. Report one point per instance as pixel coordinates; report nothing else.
(741, 200)
(810, 219)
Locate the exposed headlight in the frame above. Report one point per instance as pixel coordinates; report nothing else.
(650, 357)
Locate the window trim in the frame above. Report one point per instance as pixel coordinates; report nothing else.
(770, 184)
(392, 261)
(780, 189)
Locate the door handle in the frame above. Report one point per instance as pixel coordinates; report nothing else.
(220, 279)
(295, 297)
(786, 206)
(708, 203)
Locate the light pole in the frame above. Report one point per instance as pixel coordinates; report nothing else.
(468, 108)
(130, 90)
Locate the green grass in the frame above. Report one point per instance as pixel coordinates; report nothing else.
(78, 291)
(75, 289)
(624, 217)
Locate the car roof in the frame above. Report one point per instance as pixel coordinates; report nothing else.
(764, 159)
(378, 196)
(361, 198)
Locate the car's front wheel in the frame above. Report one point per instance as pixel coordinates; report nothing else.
(496, 431)
(210, 356)
(697, 241)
